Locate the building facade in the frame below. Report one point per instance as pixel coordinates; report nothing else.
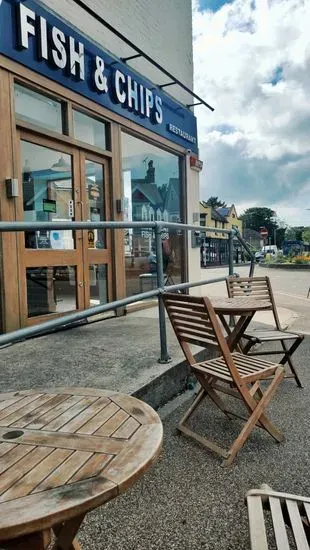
(87, 136)
(219, 218)
(214, 244)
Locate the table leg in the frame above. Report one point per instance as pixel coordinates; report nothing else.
(35, 541)
(66, 534)
(234, 336)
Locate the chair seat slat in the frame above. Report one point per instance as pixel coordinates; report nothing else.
(278, 524)
(297, 526)
(271, 335)
(257, 524)
(307, 509)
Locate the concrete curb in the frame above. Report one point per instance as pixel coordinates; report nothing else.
(287, 266)
(174, 381)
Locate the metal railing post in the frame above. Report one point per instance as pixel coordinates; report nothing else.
(231, 266)
(164, 355)
(231, 253)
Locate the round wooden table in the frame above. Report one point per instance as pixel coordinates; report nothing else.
(244, 307)
(239, 305)
(64, 452)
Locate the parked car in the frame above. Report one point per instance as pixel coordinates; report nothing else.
(271, 249)
(259, 256)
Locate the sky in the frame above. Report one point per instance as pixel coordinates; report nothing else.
(252, 64)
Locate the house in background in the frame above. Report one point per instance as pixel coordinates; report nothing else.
(219, 218)
(153, 201)
(231, 217)
(214, 245)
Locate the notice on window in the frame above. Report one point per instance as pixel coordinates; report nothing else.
(49, 206)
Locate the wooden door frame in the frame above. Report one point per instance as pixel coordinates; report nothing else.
(96, 256)
(80, 257)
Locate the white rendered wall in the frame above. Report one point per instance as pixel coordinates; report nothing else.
(194, 271)
(161, 28)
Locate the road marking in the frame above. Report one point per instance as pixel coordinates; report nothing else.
(298, 296)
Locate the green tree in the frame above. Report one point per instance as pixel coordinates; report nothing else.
(298, 231)
(290, 234)
(215, 202)
(306, 235)
(257, 217)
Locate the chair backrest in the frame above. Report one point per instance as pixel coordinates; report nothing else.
(195, 323)
(256, 287)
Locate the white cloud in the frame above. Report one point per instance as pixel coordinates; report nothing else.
(256, 145)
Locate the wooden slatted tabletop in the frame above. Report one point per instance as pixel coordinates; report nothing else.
(239, 305)
(66, 451)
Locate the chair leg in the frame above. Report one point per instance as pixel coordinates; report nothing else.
(287, 358)
(206, 390)
(248, 346)
(257, 415)
(200, 395)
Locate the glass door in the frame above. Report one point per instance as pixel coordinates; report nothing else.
(96, 243)
(61, 270)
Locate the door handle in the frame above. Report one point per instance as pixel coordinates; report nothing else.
(81, 284)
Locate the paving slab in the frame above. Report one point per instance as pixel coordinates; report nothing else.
(119, 353)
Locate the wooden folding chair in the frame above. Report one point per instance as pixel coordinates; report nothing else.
(260, 288)
(289, 527)
(195, 322)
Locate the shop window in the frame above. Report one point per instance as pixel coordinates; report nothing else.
(89, 130)
(38, 109)
(152, 185)
(47, 194)
(51, 290)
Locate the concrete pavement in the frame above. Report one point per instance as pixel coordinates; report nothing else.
(122, 353)
(187, 501)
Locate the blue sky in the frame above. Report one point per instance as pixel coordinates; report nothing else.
(212, 5)
(252, 63)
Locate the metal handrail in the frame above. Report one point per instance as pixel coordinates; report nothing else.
(158, 226)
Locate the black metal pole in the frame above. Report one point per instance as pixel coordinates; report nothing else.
(164, 355)
(231, 253)
(249, 251)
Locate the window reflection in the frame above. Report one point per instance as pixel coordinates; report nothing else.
(47, 194)
(89, 129)
(152, 192)
(95, 202)
(98, 284)
(38, 109)
(51, 290)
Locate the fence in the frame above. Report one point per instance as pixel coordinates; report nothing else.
(157, 227)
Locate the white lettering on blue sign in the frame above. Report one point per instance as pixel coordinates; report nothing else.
(185, 135)
(27, 18)
(67, 53)
(44, 43)
(59, 52)
(101, 82)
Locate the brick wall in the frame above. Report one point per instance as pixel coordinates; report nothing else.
(161, 28)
